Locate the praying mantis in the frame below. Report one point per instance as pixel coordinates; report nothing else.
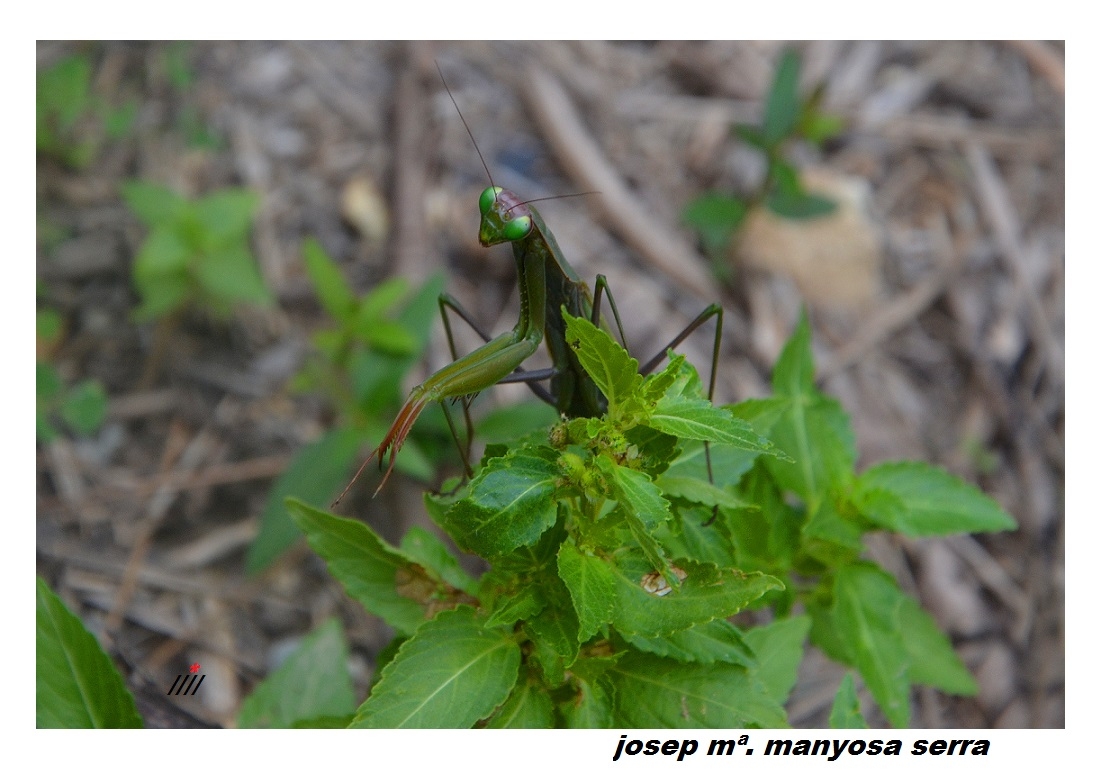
(547, 283)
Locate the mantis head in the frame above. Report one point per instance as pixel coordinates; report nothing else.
(504, 217)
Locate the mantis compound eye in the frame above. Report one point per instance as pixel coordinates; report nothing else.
(487, 199)
(517, 228)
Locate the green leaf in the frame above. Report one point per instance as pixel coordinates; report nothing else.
(818, 127)
(511, 503)
(699, 419)
(512, 422)
(528, 707)
(48, 325)
(636, 492)
(231, 275)
(680, 378)
(312, 683)
(655, 449)
(426, 549)
(612, 369)
(363, 563)
(226, 215)
(76, 684)
(315, 474)
(418, 314)
(825, 634)
(715, 217)
(375, 378)
(867, 610)
(164, 252)
(520, 605)
(753, 136)
(826, 524)
(654, 692)
(372, 324)
(328, 281)
(160, 273)
(158, 207)
(794, 371)
(592, 708)
(390, 337)
(785, 179)
(384, 657)
(118, 121)
(810, 427)
(62, 91)
(85, 407)
(707, 593)
(698, 491)
(783, 102)
(338, 722)
(779, 647)
(694, 540)
(450, 674)
(44, 431)
(677, 370)
(384, 297)
(649, 547)
(48, 383)
(846, 712)
(925, 501)
(554, 632)
(590, 582)
(714, 210)
(803, 205)
(767, 536)
(715, 642)
(729, 464)
(932, 660)
(175, 61)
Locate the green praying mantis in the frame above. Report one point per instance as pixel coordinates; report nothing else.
(547, 283)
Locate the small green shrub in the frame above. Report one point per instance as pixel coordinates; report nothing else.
(788, 116)
(80, 408)
(197, 253)
(70, 122)
(617, 569)
(358, 364)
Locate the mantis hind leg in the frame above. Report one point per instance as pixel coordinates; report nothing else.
(709, 312)
(713, 310)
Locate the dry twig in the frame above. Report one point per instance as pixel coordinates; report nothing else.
(558, 118)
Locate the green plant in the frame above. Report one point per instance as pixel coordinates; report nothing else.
(80, 408)
(196, 253)
(76, 684)
(311, 688)
(187, 120)
(788, 116)
(358, 363)
(70, 122)
(616, 569)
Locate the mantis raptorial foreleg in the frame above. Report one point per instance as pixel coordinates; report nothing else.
(532, 377)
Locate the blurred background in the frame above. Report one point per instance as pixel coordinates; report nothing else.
(239, 246)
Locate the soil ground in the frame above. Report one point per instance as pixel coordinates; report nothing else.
(936, 296)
